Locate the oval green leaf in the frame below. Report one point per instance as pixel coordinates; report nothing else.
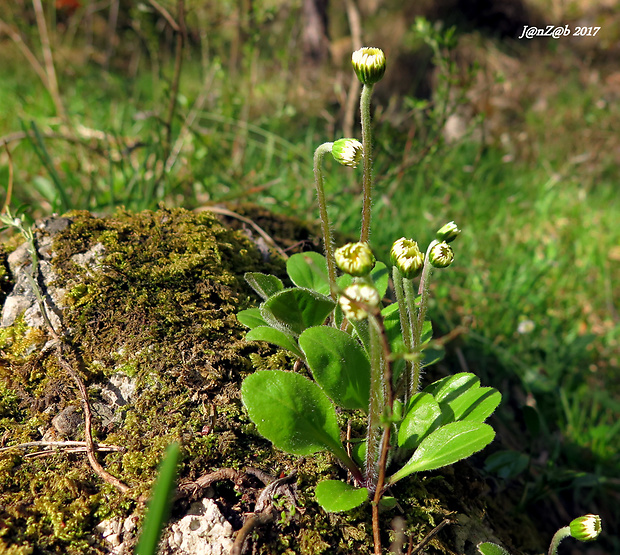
(277, 337)
(309, 270)
(336, 496)
(445, 446)
(339, 365)
(264, 284)
(488, 548)
(292, 412)
(294, 310)
(423, 416)
(251, 317)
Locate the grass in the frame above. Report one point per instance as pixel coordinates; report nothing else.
(540, 240)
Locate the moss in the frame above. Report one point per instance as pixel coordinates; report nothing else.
(159, 306)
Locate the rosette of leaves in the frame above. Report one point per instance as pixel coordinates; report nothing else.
(438, 426)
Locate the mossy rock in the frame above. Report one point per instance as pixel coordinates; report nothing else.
(149, 304)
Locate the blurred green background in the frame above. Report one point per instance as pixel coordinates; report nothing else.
(194, 103)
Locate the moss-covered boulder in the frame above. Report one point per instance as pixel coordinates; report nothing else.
(145, 304)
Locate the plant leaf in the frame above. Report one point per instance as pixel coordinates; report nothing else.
(251, 317)
(488, 548)
(160, 504)
(296, 309)
(292, 412)
(423, 416)
(336, 496)
(461, 398)
(264, 284)
(309, 270)
(446, 445)
(476, 405)
(275, 336)
(339, 365)
(380, 275)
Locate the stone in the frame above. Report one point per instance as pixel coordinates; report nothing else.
(203, 531)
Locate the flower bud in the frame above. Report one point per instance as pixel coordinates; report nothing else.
(586, 528)
(368, 64)
(348, 152)
(441, 255)
(406, 256)
(448, 232)
(355, 259)
(358, 293)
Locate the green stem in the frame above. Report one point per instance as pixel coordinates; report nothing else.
(328, 241)
(375, 408)
(405, 326)
(367, 147)
(418, 323)
(557, 538)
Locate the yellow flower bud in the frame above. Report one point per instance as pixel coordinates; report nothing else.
(355, 259)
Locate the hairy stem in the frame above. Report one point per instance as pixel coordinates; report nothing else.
(418, 323)
(328, 241)
(367, 147)
(405, 326)
(557, 538)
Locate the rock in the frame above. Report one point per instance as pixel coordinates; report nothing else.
(203, 531)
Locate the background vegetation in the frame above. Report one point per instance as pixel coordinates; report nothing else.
(189, 104)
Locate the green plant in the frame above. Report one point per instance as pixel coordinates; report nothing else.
(584, 528)
(363, 357)
(160, 504)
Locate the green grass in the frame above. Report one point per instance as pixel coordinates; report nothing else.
(540, 234)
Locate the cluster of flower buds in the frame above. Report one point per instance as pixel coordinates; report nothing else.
(407, 257)
(369, 64)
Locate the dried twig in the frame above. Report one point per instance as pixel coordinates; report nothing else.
(255, 227)
(62, 445)
(413, 550)
(28, 54)
(9, 187)
(62, 347)
(52, 82)
(264, 513)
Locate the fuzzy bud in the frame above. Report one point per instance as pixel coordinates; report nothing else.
(355, 259)
(358, 293)
(448, 232)
(586, 528)
(348, 152)
(406, 256)
(368, 64)
(441, 255)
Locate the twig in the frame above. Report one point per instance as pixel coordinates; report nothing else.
(88, 417)
(166, 14)
(28, 54)
(428, 538)
(255, 227)
(9, 187)
(50, 71)
(265, 511)
(62, 444)
(111, 30)
(178, 62)
(61, 347)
